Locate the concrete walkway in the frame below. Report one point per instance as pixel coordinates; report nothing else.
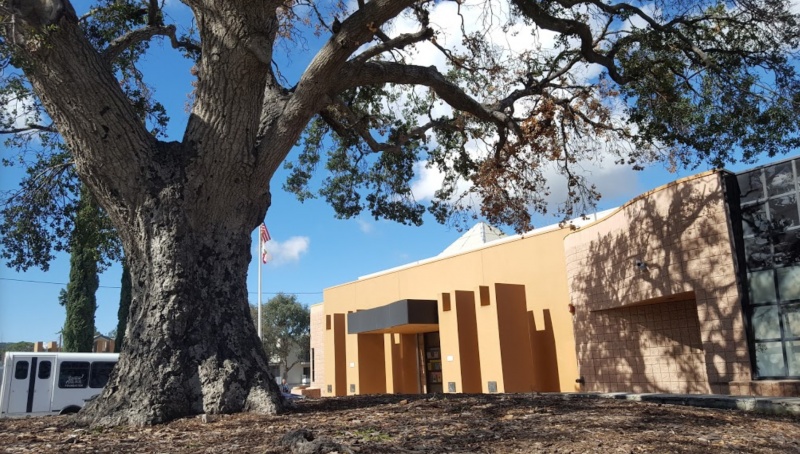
(768, 405)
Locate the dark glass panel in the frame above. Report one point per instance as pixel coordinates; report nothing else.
(783, 212)
(21, 370)
(100, 372)
(73, 374)
(765, 322)
(44, 369)
(758, 252)
(789, 283)
(787, 248)
(791, 320)
(750, 186)
(793, 353)
(754, 220)
(769, 359)
(780, 179)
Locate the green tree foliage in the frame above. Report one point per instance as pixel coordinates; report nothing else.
(686, 82)
(79, 298)
(125, 296)
(15, 347)
(36, 220)
(285, 325)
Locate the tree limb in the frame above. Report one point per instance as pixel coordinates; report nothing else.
(359, 126)
(30, 127)
(571, 27)
(394, 43)
(116, 47)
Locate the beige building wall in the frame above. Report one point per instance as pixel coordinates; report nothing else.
(673, 324)
(529, 270)
(317, 313)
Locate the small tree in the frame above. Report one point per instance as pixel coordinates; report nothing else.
(124, 306)
(79, 298)
(286, 330)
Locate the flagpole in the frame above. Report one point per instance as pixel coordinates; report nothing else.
(258, 254)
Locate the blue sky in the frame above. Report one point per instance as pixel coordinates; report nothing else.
(312, 250)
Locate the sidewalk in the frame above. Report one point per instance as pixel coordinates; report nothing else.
(768, 405)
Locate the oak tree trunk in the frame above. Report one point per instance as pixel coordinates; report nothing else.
(190, 344)
(184, 210)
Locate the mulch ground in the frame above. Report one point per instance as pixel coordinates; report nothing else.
(513, 423)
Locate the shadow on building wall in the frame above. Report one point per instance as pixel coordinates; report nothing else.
(657, 304)
(545, 358)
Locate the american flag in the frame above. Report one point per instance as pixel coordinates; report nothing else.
(264, 238)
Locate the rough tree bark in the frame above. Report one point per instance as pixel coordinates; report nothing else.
(184, 210)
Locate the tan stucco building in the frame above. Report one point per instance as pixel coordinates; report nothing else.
(673, 292)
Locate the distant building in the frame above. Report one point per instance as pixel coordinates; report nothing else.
(300, 374)
(103, 344)
(693, 287)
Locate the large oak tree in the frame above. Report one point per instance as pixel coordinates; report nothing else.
(687, 81)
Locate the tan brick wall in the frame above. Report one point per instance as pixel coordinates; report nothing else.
(650, 348)
(317, 344)
(681, 232)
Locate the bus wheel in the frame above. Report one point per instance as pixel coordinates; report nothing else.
(70, 409)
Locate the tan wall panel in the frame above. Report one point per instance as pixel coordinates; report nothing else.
(545, 354)
(468, 343)
(489, 344)
(372, 367)
(515, 344)
(336, 374)
(404, 375)
(317, 313)
(448, 339)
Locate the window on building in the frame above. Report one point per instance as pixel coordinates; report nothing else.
(73, 374)
(313, 366)
(21, 370)
(770, 226)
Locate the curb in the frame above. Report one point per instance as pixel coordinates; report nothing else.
(765, 405)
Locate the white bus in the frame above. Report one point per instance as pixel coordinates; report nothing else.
(35, 383)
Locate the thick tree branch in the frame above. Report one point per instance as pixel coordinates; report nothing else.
(332, 114)
(356, 30)
(379, 73)
(144, 34)
(540, 17)
(30, 127)
(394, 43)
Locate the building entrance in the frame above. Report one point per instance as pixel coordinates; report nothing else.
(432, 361)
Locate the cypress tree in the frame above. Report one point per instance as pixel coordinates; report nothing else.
(79, 298)
(125, 297)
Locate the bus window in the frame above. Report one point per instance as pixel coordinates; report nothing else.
(44, 369)
(73, 374)
(100, 372)
(21, 370)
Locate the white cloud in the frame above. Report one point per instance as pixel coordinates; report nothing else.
(288, 251)
(365, 226)
(427, 182)
(20, 112)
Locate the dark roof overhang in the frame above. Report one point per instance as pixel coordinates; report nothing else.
(404, 316)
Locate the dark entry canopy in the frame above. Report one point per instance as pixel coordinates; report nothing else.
(404, 316)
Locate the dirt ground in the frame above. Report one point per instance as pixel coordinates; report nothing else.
(514, 423)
